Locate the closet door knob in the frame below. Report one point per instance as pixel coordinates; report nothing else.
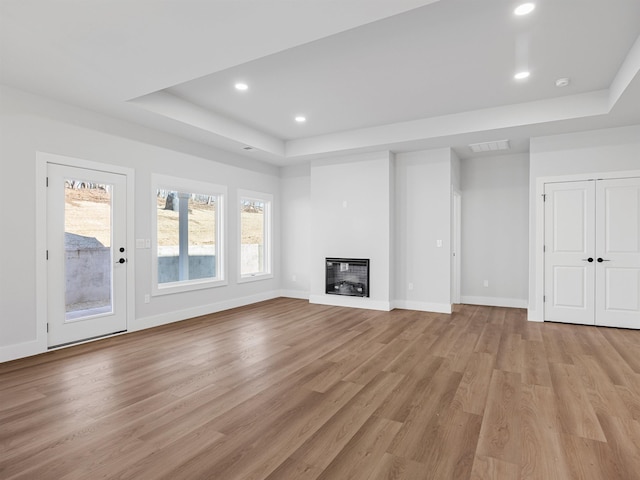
(600, 260)
(590, 259)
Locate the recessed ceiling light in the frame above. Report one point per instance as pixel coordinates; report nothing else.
(521, 75)
(524, 9)
(242, 86)
(562, 82)
(301, 119)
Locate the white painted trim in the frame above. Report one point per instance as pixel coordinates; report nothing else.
(41, 341)
(159, 181)
(301, 294)
(533, 317)
(496, 301)
(536, 305)
(179, 315)
(21, 350)
(423, 306)
(349, 301)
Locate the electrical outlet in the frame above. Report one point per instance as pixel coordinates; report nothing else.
(486, 283)
(293, 277)
(410, 286)
(147, 298)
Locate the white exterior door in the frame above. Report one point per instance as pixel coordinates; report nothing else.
(592, 252)
(618, 252)
(87, 259)
(569, 252)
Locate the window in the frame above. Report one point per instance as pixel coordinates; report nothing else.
(188, 229)
(255, 236)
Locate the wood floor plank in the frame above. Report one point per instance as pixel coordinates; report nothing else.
(360, 456)
(474, 386)
(535, 368)
(391, 467)
(623, 438)
(418, 433)
(576, 412)
(510, 353)
(285, 389)
(402, 400)
(500, 433)
(488, 468)
(603, 395)
(327, 442)
(542, 455)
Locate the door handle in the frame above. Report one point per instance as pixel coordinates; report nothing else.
(122, 260)
(590, 259)
(600, 260)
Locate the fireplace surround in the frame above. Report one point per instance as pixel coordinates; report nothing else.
(347, 276)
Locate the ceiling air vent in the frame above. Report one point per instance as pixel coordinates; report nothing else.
(490, 146)
(247, 148)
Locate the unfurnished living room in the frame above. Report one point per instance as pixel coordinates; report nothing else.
(320, 239)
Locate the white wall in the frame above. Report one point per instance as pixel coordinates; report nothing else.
(295, 188)
(30, 124)
(495, 230)
(609, 150)
(351, 200)
(423, 216)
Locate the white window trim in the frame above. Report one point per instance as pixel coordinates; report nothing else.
(192, 186)
(267, 198)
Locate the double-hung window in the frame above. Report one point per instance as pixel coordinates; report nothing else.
(255, 235)
(188, 234)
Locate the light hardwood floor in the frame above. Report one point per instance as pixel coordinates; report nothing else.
(288, 390)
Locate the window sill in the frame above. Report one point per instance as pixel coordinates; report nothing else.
(255, 277)
(188, 286)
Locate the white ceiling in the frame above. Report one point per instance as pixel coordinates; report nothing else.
(367, 74)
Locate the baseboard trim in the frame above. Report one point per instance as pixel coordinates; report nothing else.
(532, 316)
(423, 306)
(299, 294)
(496, 302)
(351, 302)
(177, 316)
(22, 350)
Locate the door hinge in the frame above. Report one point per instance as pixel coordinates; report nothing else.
(544, 248)
(544, 197)
(47, 181)
(544, 298)
(47, 254)
(47, 328)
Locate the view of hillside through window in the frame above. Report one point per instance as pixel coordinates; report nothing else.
(252, 237)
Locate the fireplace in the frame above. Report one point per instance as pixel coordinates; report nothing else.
(347, 276)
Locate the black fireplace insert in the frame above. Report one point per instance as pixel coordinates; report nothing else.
(347, 276)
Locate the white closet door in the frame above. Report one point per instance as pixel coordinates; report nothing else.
(618, 252)
(569, 252)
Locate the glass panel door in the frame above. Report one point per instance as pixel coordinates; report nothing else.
(87, 244)
(86, 251)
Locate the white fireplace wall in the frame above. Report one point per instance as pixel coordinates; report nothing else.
(352, 202)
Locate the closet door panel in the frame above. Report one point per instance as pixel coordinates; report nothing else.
(569, 243)
(618, 252)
